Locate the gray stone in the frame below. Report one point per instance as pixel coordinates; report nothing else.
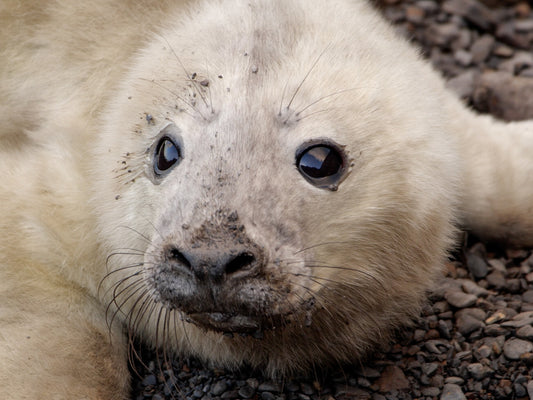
(527, 296)
(514, 348)
(479, 371)
(519, 61)
(525, 25)
(495, 279)
(471, 10)
(525, 332)
(466, 324)
(519, 320)
(482, 48)
(218, 388)
(497, 265)
(473, 288)
(392, 378)
(452, 391)
(429, 368)
(476, 264)
(530, 389)
(267, 396)
(246, 391)
(456, 380)
(269, 387)
(443, 34)
(459, 299)
(507, 97)
(431, 391)
(351, 392)
(476, 313)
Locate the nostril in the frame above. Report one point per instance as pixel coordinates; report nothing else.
(176, 255)
(240, 262)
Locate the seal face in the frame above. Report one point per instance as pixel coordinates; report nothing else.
(308, 212)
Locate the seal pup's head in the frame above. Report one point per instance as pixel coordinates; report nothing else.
(274, 185)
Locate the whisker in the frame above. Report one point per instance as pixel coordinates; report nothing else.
(119, 307)
(283, 97)
(108, 275)
(313, 113)
(191, 105)
(322, 244)
(306, 76)
(147, 239)
(323, 98)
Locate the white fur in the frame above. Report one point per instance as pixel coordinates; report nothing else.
(77, 192)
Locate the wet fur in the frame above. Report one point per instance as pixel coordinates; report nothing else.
(86, 90)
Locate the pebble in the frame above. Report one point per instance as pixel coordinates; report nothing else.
(514, 348)
(479, 371)
(473, 288)
(475, 264)
(519, 320)
(392, 378)
(482, 48)
(218, 388)
(269, 386)
(246, 392)
(527, 296)
(431, 391)
(460, 299)
(495, 279)
(451, 391)
(525, 332)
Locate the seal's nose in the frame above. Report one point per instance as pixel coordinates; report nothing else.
(216, 264)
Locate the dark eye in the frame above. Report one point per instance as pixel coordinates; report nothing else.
(167, 154)
(321, 164)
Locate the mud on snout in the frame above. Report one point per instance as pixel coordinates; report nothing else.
(218, 278)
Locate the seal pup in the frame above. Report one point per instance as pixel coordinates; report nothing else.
(262, 182)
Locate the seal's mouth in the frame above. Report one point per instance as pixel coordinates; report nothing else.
(235, 323)
(227, 323)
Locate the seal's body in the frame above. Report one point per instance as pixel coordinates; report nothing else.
(261, 182)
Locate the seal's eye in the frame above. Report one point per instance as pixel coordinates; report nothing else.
(323, 165)
(167, 154)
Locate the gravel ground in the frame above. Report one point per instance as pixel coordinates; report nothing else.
(474, 339)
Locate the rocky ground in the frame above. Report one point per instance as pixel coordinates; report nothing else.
(475, 337)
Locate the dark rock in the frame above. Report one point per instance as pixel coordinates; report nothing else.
(392, 378)
(472, 288)
(496, 279)
(267, 396)
(519, 320)
(514, 348)
(149, 380)
(460, 299)
(476, 265)
(246, 392)
(269, 386)
(482, 48)
(218, 388)
(530, 389)
(466, 324)
(452, 391)
(525, 332)
(479, 371)
(507, 97)
(472, 10)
